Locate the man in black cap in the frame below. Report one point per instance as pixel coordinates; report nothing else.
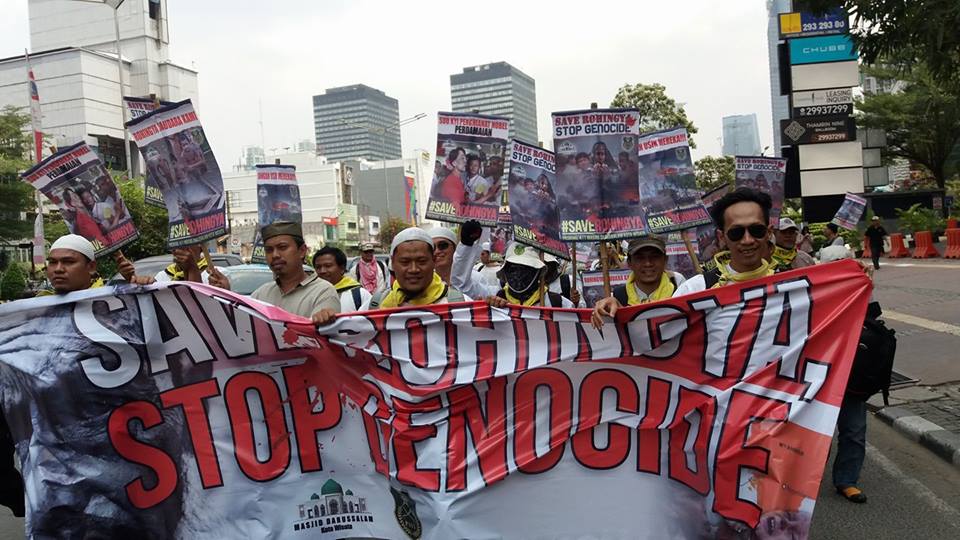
(649, 280)
(293, 290)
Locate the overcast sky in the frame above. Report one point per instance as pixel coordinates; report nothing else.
(711, 56)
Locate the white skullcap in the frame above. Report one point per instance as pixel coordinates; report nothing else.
(411, 234)
(834, 253)
(485, 246)
(443, 232)
(75, 242)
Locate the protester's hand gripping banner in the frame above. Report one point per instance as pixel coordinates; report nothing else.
(469, 171)
(178, 156)
(76, 181)
(185, 411)
(533, 201)
(668, 183)
(137, 107)
(764, 174)
(278, 199)
(596, 161)
(850, 212)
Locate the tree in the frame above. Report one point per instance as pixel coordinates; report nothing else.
(16, 196)
(922, 121)
(919, 31)
(657, 109)
(712, 172)
(13, 283)
(391, 228)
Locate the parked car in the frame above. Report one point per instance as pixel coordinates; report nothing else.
(246, 278)
(150, 266)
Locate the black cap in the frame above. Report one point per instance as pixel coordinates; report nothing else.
(279, 228)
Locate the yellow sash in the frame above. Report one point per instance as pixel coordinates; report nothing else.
(346, 283)
(176, 274)
(533, 300)
(664, 290)
(397, 297)
(783, 258)
(726, 276)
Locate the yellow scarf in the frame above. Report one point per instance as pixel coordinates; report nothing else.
(664, 290)
(726, 276)
(783, 258)
(176, 274)
(346, 283)
(532, 301)
(397, 297)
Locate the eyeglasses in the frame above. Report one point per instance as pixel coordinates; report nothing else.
(756, 230)
(443, 245)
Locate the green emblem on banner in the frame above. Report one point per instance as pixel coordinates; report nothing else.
(405, 511)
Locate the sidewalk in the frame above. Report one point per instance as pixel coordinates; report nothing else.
(928, 415)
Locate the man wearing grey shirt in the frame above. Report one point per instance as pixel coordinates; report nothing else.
(292, 289)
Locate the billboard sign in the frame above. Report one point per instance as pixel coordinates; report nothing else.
(821, 49)
(820, 129)
(832, 101)
(802, 24)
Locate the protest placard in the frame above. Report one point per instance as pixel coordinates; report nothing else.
(137, 107)
(763, 174)
(468, 174)
(596, 163)
(278, 199)
(668, 184)
(76, 181)
(178, 155)
(533, 202)
(704, 237)
(593, 284)
(198, 413)
(850, 212)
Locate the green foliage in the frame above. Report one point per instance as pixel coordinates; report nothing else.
(819, 239)
(922, 122)
(391, 228)
(13, 283)
(712, 172)
(657, 109)
(16, 196)
(917, 30)
(916, 218)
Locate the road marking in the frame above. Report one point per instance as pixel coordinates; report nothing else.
(936, 326)
(924, 265)
(912, 483)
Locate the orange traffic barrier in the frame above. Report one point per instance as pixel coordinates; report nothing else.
(867, 252)
(924, 245)
(953, 244)
(897, 248)
(952, 223)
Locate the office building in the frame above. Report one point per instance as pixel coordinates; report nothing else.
(74, 59)
(356, 122)
(740, 135)
(498, 89)
(779, 104)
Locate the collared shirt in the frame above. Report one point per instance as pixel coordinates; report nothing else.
(308, 297)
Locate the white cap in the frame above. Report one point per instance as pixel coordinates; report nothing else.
(485, 246)
(875, 218)
(524, 255)
(834, 253)
(75, 242)
(411, 234)
(787, 223)
(443, 232)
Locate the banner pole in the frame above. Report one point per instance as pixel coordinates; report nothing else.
(206, 257)
(543, 281)
(605, 266)
(573, 255)
(692, 253)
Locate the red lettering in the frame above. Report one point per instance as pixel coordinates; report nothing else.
(488, 432)
(406, 435)
(190, 399)
(134, 451)
(278, 438)
(705, 408)
(560, 392)
(648, 436)
(300, 381)
(591, 401)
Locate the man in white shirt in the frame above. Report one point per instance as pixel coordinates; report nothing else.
(331, 265)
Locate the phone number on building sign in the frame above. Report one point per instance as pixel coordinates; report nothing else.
(823, 110)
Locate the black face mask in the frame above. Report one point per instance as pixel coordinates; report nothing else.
(521, 279)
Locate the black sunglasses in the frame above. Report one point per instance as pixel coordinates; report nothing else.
(443, 245)
(756, 230)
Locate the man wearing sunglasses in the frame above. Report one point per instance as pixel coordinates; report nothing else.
(444, 244)
(742, 217)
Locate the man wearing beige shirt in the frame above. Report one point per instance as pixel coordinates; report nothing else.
(292, 289)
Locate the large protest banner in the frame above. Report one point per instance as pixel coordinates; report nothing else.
(533, 202)
(178, 155)
(76, 181)
(850, 212)
(668, 183)
(137, 107)
(596, 160)
(468, 173)
(278, 199)
(764, 174)
(184, 411)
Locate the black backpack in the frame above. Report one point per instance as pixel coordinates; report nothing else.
(873, 363)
